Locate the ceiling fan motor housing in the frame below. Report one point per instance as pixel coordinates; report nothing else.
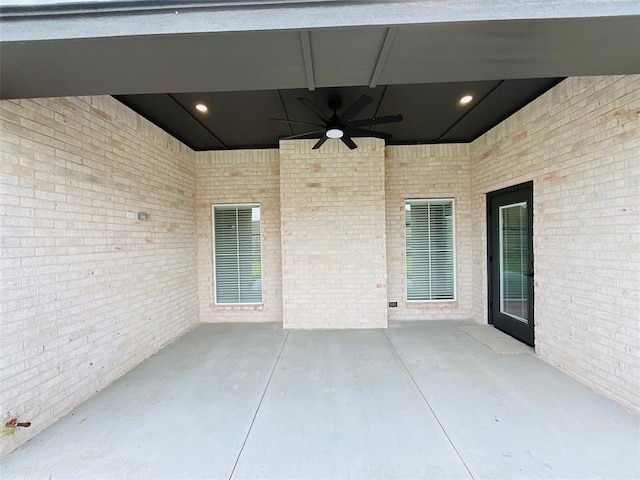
(334, 123)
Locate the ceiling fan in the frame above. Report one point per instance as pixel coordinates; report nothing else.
(341, 126)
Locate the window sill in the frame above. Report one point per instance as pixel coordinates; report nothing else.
(418, 304)
(238, 306)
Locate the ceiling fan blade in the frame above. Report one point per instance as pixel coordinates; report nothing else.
(375, 121)
(320, 143)
(356, 108)
(313, 134)
(313, 107)
(297, 122)
(358, 132)
(348, 142)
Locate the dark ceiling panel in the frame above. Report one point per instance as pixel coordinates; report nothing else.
(162, 110)
(499, 50)
(239, 119)
(506, 99)
(429, 109)
(451, 52)
(345, 57)
(260, 74)
(263, 60)
(432, 112)
(159, 64)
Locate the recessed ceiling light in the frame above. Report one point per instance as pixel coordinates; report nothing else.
(466, 99)
(201, 107)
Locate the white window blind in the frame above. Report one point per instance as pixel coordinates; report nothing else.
(430, 249)
(238, 263)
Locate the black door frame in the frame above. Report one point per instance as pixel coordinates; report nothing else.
(490, 240)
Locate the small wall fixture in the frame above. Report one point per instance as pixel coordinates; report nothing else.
(466, 99)
(142, 216)
(201, 107)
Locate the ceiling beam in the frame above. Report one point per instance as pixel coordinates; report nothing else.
(305, 40)
(382, 56)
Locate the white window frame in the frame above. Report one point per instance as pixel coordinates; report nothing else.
(455, 253)
(213, 252)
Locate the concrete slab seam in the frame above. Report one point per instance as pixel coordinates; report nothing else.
(273, 369)
(415, 384)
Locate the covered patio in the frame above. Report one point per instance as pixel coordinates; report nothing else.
(203, 275)
(417, 400)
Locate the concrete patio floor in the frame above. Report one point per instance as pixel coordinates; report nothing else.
(416, 401)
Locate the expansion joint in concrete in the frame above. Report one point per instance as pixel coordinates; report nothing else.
(415, 384)
(266, 387)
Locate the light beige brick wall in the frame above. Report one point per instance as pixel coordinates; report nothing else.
(333, 235)
(87, 293)
(580, 144)
(240, 176)
(428, 171)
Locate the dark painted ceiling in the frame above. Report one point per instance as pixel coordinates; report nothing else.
(432, 112)
(252, 73)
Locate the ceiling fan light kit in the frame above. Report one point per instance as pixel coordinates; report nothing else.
(343, 126)
(334, 133)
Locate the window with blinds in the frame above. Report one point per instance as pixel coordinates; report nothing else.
(430, 250)
(237, 254)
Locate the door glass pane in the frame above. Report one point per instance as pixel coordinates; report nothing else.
(514, 261)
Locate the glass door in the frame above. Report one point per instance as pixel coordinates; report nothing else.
(510, 256)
